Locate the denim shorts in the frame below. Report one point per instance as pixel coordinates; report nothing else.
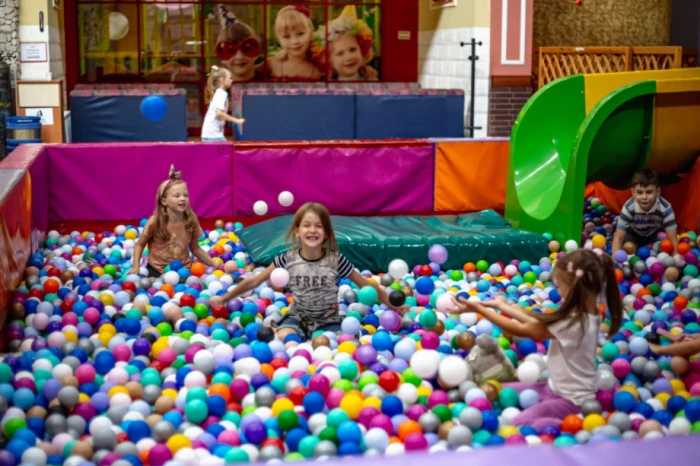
(301, 329)
(213, 139)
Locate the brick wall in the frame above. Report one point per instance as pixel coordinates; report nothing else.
(504, 105)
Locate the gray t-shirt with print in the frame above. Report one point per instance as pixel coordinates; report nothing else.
(314, 286)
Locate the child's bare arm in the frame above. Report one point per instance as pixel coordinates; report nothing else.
(618, 238)
(246, 285)
(361, 281)
(511, 310)
(684, 348)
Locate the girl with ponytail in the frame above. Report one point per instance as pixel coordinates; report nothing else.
(582, 277)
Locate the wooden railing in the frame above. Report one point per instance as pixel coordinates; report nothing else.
(550, 63)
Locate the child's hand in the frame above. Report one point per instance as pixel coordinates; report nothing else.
(240, 121)
(134, 271)
(496, 302)
(656, 349)
(216, 301)
(463, 306)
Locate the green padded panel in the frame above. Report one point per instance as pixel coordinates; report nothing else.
(372, 242)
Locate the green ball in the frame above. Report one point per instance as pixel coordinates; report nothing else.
(236, 455)
(5, 373)
(13, 425)
(508, 398)
(247, 319)
(695, 428)
(336, 416)
(443, 412)
(482, 266)
(565, 441)
(201, 310)
(220, 334)
(164, 329)
(504, 343)
(512, 356)
(307, 445)
(344, 385)
(110, 270)
(187, 334)
(222, 377)
(248, 410)
(367, 379)
(457, 275)
(427, 319)
(610, 351)
(655, 289)
(287, 420)
(233, 417)
(196, 411)
(691, 270)
(348, 369)
(134, 314)
(328, 433)
(409, 376)
(530, 277)
(367, 295)
(294, 457)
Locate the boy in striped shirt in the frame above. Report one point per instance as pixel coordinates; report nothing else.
(643, 216)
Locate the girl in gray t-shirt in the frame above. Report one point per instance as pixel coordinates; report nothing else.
(314, 265)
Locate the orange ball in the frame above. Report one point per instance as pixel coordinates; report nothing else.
(168, 289)
(619, 275)
(268, 370)
(666, 246)
(222, 390)
(643, 292)
(683, 248)
(469, 267)
(680, 302)
(572, 424)
(51, 285)
(407, 428)
(198, 269)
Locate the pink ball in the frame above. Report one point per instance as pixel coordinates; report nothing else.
(422, 300)
(430, 341)
(40, 321)
(229, 437)
(691, 258)
(122, 353)
(319, 383)
(416, 411)
(605, 398)
(516, 439)
(438, 397)
(191, 351)
(636, 423)
(482, 404)
(69, 318)
(85, 373)
(159, 455)
(620, 368)
(333, 398)
(167, 356)
(415, 442)
(91, 315)
(239, 388)
(367, 414)
(657, 269)
(695, 390)
(382, 421)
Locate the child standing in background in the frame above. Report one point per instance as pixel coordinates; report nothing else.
(218, 84)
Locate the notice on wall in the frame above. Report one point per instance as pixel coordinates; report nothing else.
(46, 115)
(435, 4)
(33, 52)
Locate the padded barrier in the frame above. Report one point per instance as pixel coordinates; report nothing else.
(298, 117)
(118, 118)
(372, 242)
(409, 116)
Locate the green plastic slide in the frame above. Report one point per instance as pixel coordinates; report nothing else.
(556, 149)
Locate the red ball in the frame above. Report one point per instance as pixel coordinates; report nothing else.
(546, 438)
(129, 286)
(220, 312)
(67, 305)
(36, 293)
(187, 300)
(54, 272)
(99, 237)
(425, 270)
(274, 442)
(389, 381)
(277, 363)
(233, 406)
(51, 286)
(297, 395)
(666, 246)
(267, 301)
(122, 437)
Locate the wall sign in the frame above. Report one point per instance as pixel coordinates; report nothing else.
(435, 4)
(33, 52)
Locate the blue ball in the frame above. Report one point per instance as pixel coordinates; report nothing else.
(154, 108)
(692, 410)
(349, 448)
(138, 430)
(293, 438)
(425, 286)
(624, 401)
(675, 404)
(104, 361)
(527, 346)
(313, 402)
(392, 405)
(489, 421)
(216, 405)
(349, 431)
(663, 417)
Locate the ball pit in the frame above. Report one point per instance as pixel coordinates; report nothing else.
(107, 368)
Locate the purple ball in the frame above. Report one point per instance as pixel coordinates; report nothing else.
(242, 351)
(99, 400)
(438, 254)
(398, 365)
(378, 368)
(51, 387)
(550, 430)
(366, 355)
(234, 305)
(141, 347)
(390, 320)
(416, 411)
(255, 431)
(620, 256)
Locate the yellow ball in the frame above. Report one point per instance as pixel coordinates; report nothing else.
(677, 386)
(177, 442)
(496, 384)
(663, 398)
(107, 299)
(282, 404)
(424, 391)
(218, 273)
(507, 431)
(346, 347)
(105, 338)
(118, 389)
(684, 394)
(632, 390)
(108, 328)
(370, 329)
(158, 346)
(130, 234)
(83, 398)
(372, 401)
(592, 421)
(598, 241)
(352, 405)
(170, 393)
(73, 338)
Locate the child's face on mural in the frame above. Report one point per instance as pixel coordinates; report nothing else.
(240, 65)
(295, 41)
(346, 56)
(239, 57)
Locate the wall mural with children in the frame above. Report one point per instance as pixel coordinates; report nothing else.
(297, 42)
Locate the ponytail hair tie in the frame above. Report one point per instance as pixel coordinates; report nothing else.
(570, 267)
(579, 273)
(303, 10)
(173, 175)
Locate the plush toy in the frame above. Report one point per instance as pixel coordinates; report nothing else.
(488, 361)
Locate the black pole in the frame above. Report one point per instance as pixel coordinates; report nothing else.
(473, 58)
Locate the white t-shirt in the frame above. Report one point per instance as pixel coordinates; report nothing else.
(212, 127)
(571, 359)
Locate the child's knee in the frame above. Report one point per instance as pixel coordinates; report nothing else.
(283, 332)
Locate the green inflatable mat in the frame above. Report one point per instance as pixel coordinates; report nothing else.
(372, 242)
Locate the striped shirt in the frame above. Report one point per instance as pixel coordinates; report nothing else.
(633, 218)
(314, 286)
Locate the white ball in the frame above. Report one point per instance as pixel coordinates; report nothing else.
(260, 207)
(425, 363)
(377, 438)
(408, 393)
(398, 268)
(279, 277)
(453, 370)
(395, 449)
(444, 303)
(247, 366)
(171, 278)
(285, 198)
(528, 372)
(571, 245)
(213, 236)
(679, 426)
